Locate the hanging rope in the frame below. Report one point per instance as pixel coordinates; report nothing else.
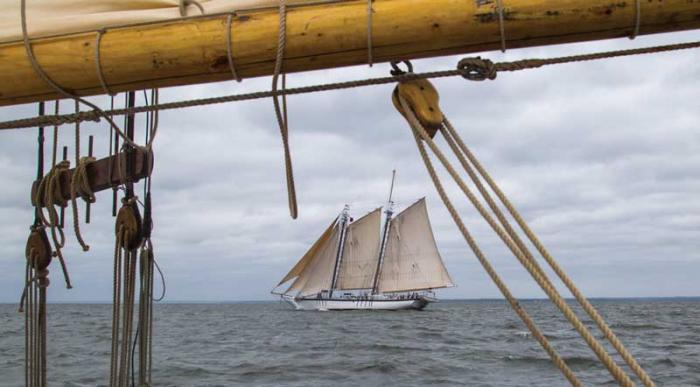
(511, 239)
(370, 44)
(501, 24)
(80, 184)
(637, 19)
(281, 111)
(42, 74)
(33, 300)
(500, 66)
(229, 48)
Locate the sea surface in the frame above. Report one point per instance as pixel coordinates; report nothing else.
(452, 343)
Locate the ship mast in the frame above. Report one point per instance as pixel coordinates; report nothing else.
(389, 212)
(339, 255)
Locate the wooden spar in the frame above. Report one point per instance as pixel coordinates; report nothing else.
(191, 51)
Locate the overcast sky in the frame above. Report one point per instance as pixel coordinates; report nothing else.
(603, 160)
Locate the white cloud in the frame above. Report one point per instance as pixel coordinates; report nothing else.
(601, 158)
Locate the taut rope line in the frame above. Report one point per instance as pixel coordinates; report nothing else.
(494, 67)
(519, 310)
(425, 103)
(462, 150)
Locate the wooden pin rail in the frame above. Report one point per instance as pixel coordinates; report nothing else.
(99, 172)
(191, 51)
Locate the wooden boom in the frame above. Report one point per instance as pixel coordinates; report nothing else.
(190, 51)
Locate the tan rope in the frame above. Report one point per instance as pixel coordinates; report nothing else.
(541, 280)
(526, 64)
(229, 48)
(452, 136)
(519, 310)
(80, 186)
(501, 24)
(98, 63)
(116, 307)
(637, 19)
(60, 90)
(47, 195)
(281, 112)
(185, 3)
(370, 54)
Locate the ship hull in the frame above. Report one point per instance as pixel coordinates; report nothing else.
(356, 304)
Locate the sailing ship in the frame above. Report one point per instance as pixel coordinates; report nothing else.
(354, 266)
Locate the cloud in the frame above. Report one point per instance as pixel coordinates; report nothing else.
(601, 158)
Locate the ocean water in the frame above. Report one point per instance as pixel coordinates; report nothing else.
(452, 343)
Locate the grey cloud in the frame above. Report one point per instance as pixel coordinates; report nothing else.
(601, 159)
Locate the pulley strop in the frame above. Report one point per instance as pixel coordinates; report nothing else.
(128, 227)
(38, 250)
(423, 99)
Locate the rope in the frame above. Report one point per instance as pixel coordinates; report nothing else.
(80, 186)
(281, 113)
(501, 24)
(370, 55)
(229, 48)
(539, 276)
(47, 195)
(42, 74)
(98, 63)
(462, 150)
(520, 311)
(185, 3)
(637, 19)
(500, 66)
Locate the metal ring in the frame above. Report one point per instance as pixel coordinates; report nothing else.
(398, 71)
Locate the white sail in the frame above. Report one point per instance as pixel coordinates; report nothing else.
(360, 253)
(310, 255)
(56, 17)
(411, 259)
(316, 272)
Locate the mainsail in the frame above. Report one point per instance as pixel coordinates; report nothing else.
(314, 270)
(360, 252)
(411, 259)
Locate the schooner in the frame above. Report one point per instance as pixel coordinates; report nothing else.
(354, 266)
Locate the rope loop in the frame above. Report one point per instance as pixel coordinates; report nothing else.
(477, 69)
(186, 3)
(396, 70)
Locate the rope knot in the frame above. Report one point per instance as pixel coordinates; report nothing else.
(477, 69)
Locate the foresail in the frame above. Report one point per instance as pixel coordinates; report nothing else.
(412, 260)
(308, 257)
(318, 272)
(360, 252)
